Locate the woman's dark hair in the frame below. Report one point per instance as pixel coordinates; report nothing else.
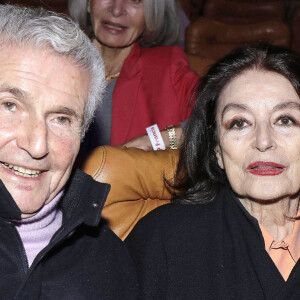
(198, 176)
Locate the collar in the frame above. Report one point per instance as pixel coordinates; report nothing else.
(131, 67)
(125, 97)
(83, 200)
(8, 207)
(235, 203)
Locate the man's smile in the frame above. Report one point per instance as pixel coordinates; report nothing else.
(21, 171)
(42, 104)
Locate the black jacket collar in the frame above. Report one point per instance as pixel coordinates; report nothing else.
(83, 200)
(8, 207)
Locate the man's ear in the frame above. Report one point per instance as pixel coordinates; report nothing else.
(218, 152)
(88, 6)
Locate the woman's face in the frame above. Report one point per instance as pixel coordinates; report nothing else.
(258, 121)
(117, 23)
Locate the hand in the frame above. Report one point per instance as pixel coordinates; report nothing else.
(143, 141)
(140, 142)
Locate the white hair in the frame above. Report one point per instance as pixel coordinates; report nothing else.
(39, 28)
(161, 17)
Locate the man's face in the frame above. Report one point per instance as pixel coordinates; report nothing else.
(42, 100)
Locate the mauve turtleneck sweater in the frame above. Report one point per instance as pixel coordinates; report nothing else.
(37, 231)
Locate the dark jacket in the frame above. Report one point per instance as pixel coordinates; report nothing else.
(84, 260)
(212, 251)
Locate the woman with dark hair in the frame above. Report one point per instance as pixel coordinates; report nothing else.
(149, 78)
(233, 230)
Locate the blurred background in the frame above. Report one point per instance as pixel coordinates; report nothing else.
(211, 28)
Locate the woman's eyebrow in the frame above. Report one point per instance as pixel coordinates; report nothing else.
(230, 106)
(290, 104)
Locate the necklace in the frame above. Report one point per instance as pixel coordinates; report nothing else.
(113, 76)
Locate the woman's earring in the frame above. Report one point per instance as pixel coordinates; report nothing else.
(218, 153)
(88, 8)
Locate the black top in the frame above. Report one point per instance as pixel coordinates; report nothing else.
(84, 259)
(207, 251)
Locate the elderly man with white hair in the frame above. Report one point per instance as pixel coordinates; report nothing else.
(53, 244)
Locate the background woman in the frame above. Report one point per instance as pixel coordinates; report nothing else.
(148, 82)
(234, 232)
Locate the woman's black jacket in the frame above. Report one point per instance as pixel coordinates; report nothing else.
(211, 251)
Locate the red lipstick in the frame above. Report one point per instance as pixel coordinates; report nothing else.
(265, 168)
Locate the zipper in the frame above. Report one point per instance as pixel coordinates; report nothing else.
(24, 260)
(59, 237)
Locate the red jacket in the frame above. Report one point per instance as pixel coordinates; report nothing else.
(155, 87)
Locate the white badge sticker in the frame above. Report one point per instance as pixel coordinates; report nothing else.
(155, 137)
